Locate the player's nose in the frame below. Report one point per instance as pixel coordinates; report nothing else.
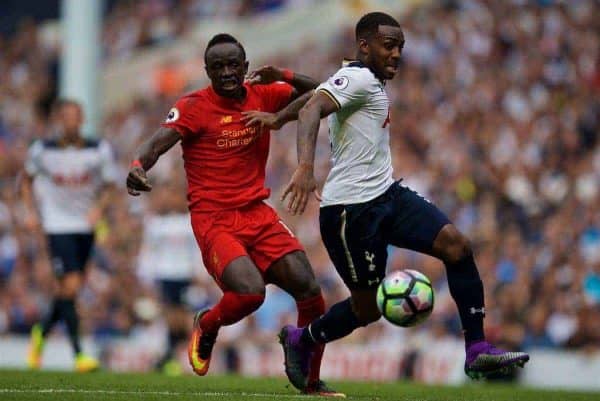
(227, 71)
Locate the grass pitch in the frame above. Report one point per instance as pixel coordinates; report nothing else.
(25, 386)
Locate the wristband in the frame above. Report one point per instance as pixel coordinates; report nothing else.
(136, 163)
(287, 75)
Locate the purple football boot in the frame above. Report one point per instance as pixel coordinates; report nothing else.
(483, 359)
(297, 356)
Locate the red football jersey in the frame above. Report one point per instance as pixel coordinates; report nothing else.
(224, 160)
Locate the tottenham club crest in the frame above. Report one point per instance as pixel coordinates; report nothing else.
(341, 82)
(172, 116)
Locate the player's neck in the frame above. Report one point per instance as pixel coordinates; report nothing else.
(74, 139)
(363, 60)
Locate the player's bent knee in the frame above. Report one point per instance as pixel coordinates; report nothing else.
(69, 286)
(242, 277)
(250, 289)
(453, 245)
(460, 250)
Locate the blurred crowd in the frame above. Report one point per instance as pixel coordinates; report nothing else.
(495, 118)
(132, 25)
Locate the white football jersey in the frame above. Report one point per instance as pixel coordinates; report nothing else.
(359, 135)
(67, 181)
(169, 250)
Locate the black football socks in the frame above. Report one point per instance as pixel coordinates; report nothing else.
(466, 289)
(53, 316)
(338, 322)
(72, 321)
(64, 309)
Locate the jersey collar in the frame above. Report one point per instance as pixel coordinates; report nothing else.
(357, 63)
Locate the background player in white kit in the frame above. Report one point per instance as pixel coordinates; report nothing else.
(66, 187)
(168, 259)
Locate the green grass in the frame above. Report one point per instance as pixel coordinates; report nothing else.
(22, 385)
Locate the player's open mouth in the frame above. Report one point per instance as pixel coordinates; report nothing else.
(392, 69)
(229, 83)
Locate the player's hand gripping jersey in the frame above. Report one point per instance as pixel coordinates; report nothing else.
(359, 135)
(225, 160)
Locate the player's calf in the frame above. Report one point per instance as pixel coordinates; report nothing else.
(365, 308)
(231, 309)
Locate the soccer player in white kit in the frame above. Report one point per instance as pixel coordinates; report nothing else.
(168, 259)
(66, 187)
(363, 210)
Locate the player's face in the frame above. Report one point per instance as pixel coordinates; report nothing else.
(226, 68)
(70, 118)
(384, 49)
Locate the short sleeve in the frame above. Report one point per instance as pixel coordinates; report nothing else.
(348, 85)
(184, 117)
(33, 162)
(108, 169)
(276, 96)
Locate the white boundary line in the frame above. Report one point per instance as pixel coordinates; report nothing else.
(142, 393)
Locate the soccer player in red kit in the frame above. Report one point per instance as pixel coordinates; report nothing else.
(243, 242)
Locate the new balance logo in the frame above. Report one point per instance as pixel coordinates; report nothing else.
(476, 310)
(226, 119)
(370, 257)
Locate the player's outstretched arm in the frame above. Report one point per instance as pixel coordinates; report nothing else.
(279, 119)
(146, 156)
(303, 181)
(269, 74)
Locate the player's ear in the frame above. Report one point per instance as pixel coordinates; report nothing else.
(363, 46)
(246, 65)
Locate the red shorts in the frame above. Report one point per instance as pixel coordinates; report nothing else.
(254, 230)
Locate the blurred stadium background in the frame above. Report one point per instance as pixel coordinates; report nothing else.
(496, 117)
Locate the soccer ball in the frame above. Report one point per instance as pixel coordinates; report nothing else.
(405, 298)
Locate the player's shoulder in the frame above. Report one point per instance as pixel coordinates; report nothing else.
(186, 104)
(193, 97)
(36, 147)
(196, 95)
(354, 76)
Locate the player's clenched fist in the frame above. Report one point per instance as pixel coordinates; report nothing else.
(137, 181)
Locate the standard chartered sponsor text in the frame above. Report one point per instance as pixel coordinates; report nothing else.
(242, 137)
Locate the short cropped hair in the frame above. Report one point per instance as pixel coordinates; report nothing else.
(369, 24)
(224, 38)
